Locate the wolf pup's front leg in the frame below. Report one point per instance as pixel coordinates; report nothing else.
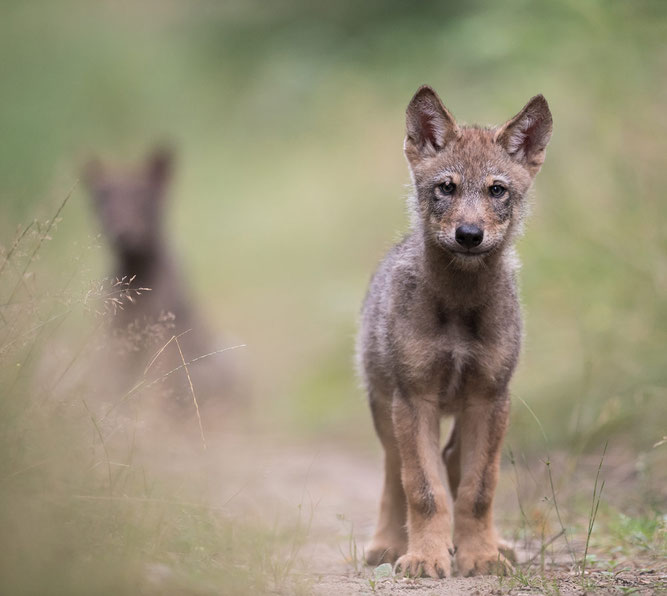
(417, 426)
(480, 429)
(390, 540)
(441, 335)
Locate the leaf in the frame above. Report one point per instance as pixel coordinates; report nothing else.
(384, 571)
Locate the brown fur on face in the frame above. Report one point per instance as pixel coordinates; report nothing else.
(474, 160)
(441, 333)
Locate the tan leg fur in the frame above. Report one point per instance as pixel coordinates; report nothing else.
(417, 431)
(482, 427)
(390, 540)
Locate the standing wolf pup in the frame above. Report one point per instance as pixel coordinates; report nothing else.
(441, 333)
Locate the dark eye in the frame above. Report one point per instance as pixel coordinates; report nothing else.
(447, 188)
(497, 191)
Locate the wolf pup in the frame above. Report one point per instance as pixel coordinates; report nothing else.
(441, 333)
(130, 205)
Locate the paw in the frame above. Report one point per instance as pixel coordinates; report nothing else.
(378, 552)
(417, 565)
(482, 562)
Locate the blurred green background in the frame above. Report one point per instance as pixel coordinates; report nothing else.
(288, 123)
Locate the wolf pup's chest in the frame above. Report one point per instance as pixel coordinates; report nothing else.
(459, 352)
(440, 353)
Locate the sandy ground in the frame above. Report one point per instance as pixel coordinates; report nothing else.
(334, 493)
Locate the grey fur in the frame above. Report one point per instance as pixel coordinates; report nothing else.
(441, 331)
(130, 205)
(432, 322)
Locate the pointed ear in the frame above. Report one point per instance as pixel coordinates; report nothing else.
(525, 137)
(92, 172)
(429, 125)
(159, 166)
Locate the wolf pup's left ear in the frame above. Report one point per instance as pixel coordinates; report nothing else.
(429, 125)
(525, 137)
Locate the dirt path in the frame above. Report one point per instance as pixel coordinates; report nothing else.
(331, 494)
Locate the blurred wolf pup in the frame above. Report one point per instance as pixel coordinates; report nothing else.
(440, 335)
(130, 205)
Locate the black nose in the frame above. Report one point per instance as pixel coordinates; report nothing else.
(469, 235)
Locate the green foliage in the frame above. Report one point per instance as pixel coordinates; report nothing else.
(288, 121)
(647, 533)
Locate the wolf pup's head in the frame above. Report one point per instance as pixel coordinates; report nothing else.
(471, 182)
(130, 203)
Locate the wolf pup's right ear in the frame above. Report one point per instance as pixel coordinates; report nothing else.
(429, 125)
